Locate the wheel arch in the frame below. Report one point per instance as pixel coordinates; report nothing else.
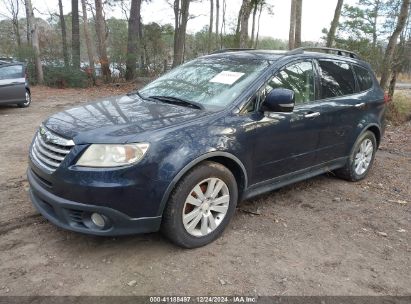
(226, 159)
(374, 128)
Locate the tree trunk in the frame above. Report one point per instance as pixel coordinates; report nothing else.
(144, 58)
(181, 13)
(334, 23)
(389, 53)
(237, 30)
(217, 19)
(35, 43)
(291, 34)
(88, 40)
(260, 10)
(298, 17)
(374, 24)
(244, 17)
(75, 34)
(28, 28)
(255, 8)
(101, 39)
(18, 33)
(393, 81)
(133, 38)
(222, 31)
(210, 27)
(63, 35)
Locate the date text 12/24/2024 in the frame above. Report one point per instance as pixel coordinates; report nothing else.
(205, 299)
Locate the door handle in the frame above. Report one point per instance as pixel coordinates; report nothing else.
(312, 114)
(360, 105)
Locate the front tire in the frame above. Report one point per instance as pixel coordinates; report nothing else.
(361, 158)
(201, 206)
(27, 100)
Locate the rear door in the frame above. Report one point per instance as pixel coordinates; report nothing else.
(12, 83)
(341, 109)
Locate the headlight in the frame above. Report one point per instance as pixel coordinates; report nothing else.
(98, 155)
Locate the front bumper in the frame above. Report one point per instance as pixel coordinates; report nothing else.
(75, 216)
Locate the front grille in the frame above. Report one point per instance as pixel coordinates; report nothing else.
(49, 149)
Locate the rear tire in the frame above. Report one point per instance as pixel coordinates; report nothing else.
(201, 206)
(361, 158)
(27, 101)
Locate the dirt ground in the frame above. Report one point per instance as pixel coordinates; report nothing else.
(323, 236)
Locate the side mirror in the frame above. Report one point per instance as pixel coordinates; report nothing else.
(279, 100)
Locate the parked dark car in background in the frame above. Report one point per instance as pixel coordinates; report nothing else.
(179, 154)
(14, 85)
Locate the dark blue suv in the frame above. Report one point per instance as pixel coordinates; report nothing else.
(179, 154)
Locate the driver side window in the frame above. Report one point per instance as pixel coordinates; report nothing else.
(298, 77)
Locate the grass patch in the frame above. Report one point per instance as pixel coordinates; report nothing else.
(399, 109)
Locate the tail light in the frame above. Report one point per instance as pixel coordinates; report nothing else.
(387, 98)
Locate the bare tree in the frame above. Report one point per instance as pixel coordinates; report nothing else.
(389, 52)
(255, 9)
(75, 34)
(63, 34)
(291, 34)
(181, 14)
(260, 10)
(134, 30)
(298, 19)
(13, 8)
(217, 19)
(223, 31)
(334, 23)
(101, 38)
(28, 29)
(242, 25)
(35, 42)
(373, 18)
(210, 27)
(88, 40)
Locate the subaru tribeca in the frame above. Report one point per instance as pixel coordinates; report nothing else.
(179, 154)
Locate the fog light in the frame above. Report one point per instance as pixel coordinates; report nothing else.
(98, 220)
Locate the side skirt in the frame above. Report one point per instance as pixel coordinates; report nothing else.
(291, 178)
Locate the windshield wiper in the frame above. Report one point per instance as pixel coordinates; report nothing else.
(136, 92)
(178, 101)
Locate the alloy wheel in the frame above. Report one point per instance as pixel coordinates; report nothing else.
(206, 206)
(363, 157)
(28, 99)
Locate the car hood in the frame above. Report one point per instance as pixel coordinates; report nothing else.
(118, 119)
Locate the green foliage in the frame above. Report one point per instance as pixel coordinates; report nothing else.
(117, 40)
(62, 77)
(358, 22)
(267, 43)
(157, 45)
(361, 29)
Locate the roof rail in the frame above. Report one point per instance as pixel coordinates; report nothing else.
(231, 50)
(338, 52)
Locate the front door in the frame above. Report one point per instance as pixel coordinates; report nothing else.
(287, 142)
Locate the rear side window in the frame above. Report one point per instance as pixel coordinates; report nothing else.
(364, 78)
(337, 79)
(11, 71)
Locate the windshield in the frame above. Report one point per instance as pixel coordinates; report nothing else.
(211, 82)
